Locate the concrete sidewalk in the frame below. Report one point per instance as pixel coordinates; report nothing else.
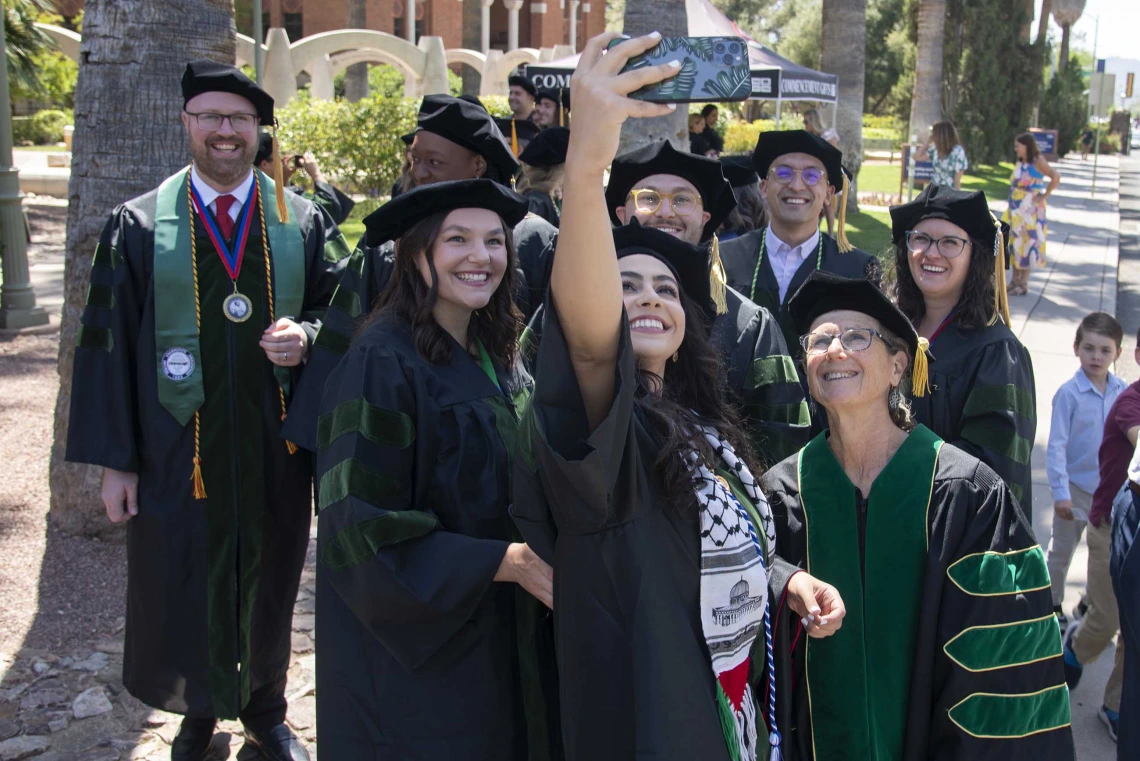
(1081, 277)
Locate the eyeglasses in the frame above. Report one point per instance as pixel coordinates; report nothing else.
(950, 246)
(852, 339)
(785, 174)
(649, 201)
(213, 122)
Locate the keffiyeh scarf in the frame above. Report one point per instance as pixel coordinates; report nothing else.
(735, 556)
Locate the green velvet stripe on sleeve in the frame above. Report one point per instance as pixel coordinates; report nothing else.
(527, 433)
(1007, 717)
(348, 300)
(336, 248)
(107, 257)
(991, 574)
(985, 648)
(100, 296)
(985, 399)
(1004, 441)
(768, 370)
(358, 543)
(95, 338)
(352, 478)
(796, 413)
(373, 423)
(332, 340)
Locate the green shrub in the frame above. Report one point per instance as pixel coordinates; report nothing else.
(43, 128)
(1064, 107)
(741, 136)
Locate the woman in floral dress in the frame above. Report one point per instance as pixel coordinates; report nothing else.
(1026, 211)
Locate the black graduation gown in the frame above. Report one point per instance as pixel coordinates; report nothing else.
(634, 670)
(759, 372)
(419, 656)
(983, 401)
(985, 652)
(740, 256)
(364, 279)
(1125, 569)
(210, 583)
(542, 205)
(332, 200)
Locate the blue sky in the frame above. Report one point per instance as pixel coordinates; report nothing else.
(1119, 22)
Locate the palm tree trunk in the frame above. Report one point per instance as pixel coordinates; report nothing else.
(843, 51)
(356, 76)
(128, 138)
(1063, 59)
(1043, 21)
(926, 105)
(670, 19)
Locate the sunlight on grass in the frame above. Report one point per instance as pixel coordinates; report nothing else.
(870, 231)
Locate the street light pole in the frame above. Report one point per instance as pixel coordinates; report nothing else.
(17, 299)
(1096, 111)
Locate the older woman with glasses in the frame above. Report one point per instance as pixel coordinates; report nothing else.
(950, 261)
(949, 649)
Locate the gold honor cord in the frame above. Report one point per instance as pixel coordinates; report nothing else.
(289, 445)
(196, 476)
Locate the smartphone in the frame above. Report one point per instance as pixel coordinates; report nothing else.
(713, 70)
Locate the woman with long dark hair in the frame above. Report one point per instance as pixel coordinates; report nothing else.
(636, 481)
(1025, 214)
(950, 282)
(422, 590)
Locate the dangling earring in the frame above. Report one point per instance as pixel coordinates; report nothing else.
(676, 356)
(894, 398)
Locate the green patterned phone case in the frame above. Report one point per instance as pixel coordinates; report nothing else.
(713, 70)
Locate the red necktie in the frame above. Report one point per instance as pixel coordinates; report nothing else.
(225, 221)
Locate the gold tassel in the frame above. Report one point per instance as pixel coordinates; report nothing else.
(560, 124)
(279, 179)
(514, 139)
(920, 379)
(1001, 296)
(841, 222)
(718, 279)
(290, 447)
(196, 476)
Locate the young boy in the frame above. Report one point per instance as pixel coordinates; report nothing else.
(1080, 408)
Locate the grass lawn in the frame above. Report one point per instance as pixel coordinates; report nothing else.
(993, 179)
(352, 229)
(870, 231)
(61, 148)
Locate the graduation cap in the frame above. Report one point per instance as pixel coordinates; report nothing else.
(773, 144)
(971, 212)
(396, 217)
(548, 148)
(661, 157)
(516, 130)
(408, 138)
(688, 263)
(204, 75)
(559, 97)
(517, 80)
(825, 292)
(470, 126)
(738, 170)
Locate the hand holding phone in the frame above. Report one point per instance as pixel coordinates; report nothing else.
(713, 70)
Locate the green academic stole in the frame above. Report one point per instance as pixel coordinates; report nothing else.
(178, 351)
(859, 679)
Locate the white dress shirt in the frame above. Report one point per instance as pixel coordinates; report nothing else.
(209, 195)
(787, 260)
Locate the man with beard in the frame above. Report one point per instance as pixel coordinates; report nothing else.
(323, 194)
(205, 295)
(454, 140)
(520, 97)
(552, 108)
(799, 174)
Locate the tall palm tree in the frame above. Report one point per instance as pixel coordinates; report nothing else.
(1066, 13)
(356, 75)
(128, 138)
(670, 19)
(1043, 21)
(843, 51)
(926, 105)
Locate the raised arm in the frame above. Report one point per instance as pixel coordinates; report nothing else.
(585, 282)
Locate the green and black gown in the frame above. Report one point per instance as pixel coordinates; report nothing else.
(760, 375)
(635, 675)
(949, 650)
(364, 279)
(210, 583)
(336, 203)
(983, 400)
(756, 280)
(420, 654)
(542, 205)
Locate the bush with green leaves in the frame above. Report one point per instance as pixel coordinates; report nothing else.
(42, 128)
(740, 136)
(1064, 106)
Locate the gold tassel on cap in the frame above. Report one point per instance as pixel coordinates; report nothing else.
(279, 179)
(514, 139)
(920, 378)
(718, 279)
(560, 124)
(1001, 296)
(841, 222)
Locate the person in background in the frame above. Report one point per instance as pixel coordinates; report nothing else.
(1087, 638)
(750, 213)
(813, 123)
(520, 97)
(1025, 214)
(945, 151)
(697, 142)
(336, 203)
(1087, 138)
(1080, 407)
(543, 170)
(406, 181)
(710, 114)
(1124, 566)
(551, 108)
